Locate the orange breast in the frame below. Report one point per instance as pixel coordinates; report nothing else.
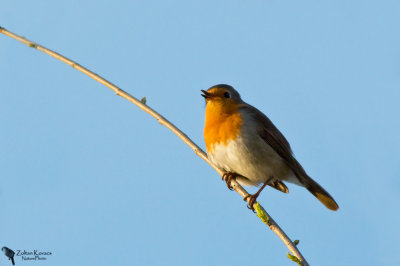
(222, 124)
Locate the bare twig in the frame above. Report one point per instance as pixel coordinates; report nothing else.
(264, 216)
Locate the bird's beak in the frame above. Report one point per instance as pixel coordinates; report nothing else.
(205, 94)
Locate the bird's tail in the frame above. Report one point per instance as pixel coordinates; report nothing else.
(12, 261)
(321, 194)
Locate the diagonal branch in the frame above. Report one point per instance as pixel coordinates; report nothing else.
(261, 213)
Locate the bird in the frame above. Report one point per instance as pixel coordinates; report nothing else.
(248, 147)
(9, 253)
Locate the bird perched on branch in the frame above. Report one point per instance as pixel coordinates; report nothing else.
(9, 253)
(244, 143)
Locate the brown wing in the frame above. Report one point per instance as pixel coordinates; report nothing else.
(275, 139)
(278, 142)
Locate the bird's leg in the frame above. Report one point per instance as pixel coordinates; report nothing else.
(252, 198)
(228, 177)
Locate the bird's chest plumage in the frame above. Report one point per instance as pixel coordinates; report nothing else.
(223, 124)
(233, 144)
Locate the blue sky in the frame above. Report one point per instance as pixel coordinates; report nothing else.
(91, 178)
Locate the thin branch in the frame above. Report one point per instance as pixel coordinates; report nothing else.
(264, 216)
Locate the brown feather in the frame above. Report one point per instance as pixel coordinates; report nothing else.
(321, 194)
(279, 185)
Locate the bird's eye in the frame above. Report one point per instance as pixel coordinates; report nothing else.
(227, 95)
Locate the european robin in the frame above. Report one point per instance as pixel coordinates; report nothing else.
(244, 143)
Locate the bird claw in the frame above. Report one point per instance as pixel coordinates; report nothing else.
(228, 177)
(252, 199)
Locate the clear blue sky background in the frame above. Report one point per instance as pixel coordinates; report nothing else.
(88, 176)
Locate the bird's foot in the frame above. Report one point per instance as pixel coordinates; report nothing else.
(228, 177)
(251, 199)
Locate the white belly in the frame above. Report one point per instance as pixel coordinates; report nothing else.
(251, 157)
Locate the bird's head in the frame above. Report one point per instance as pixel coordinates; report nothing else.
(222, 95)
